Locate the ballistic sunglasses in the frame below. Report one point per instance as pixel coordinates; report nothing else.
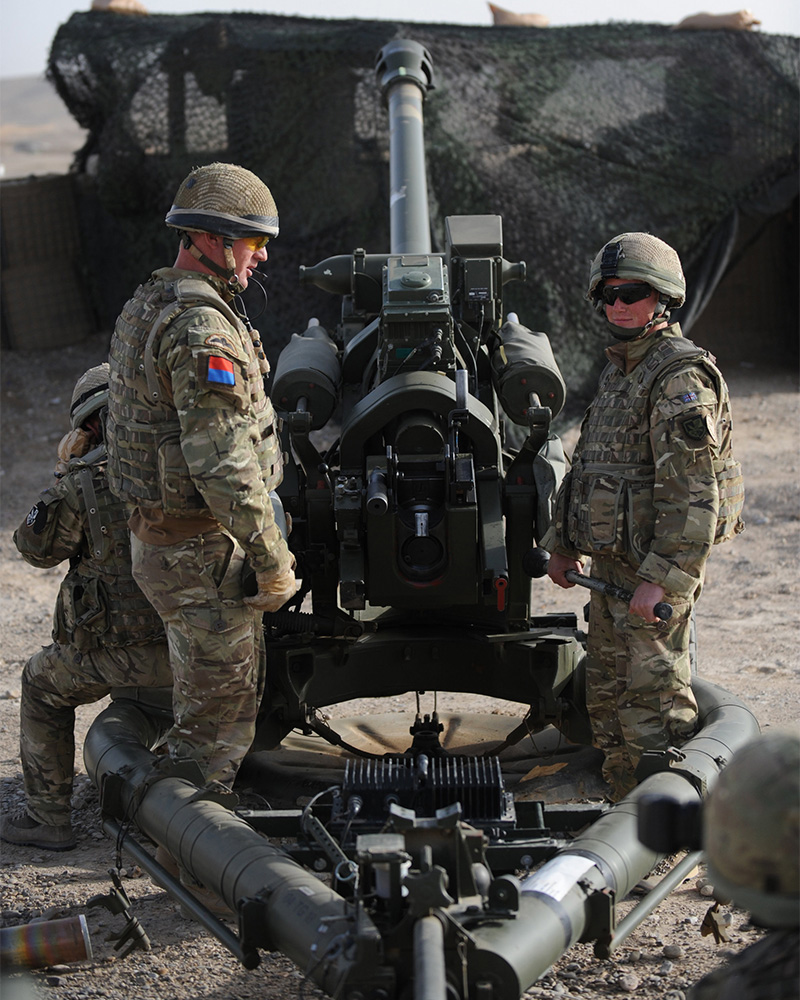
(255, 243)
(628, 293)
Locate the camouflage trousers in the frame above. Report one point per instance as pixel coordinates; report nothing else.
(638, 677)
(54, 682)
(215, 647)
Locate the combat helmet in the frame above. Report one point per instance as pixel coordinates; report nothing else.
(639, 257)
(751, 830)
(90, 394)
(225, 200)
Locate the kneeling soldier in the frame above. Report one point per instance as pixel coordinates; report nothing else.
(105, 632)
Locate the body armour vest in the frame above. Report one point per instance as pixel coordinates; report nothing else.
(99, 603)
(608, 498)
(146, 464)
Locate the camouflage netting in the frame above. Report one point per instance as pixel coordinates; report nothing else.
(571, 134)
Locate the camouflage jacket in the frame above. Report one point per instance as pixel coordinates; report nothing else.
(653, 479)
(80, 519)
(190, 429)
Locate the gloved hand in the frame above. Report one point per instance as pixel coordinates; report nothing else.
(274, 589)
(74, 444)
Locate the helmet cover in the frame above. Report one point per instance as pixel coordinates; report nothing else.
(751, 829)
(225, 200)
(90, 394)
(639, 257)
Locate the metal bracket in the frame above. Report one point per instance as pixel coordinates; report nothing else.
(133, 934)
(672, 759)
(427, 891)
(601, 913)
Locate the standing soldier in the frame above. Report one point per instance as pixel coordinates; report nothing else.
(653, 485)
(105, 633)
(193, 447)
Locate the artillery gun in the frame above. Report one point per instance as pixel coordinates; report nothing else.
(414, 530)
(415, 533)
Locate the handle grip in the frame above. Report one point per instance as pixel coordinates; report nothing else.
(662, 610)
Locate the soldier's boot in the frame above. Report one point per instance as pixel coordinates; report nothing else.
(25, 831)
(618, 778)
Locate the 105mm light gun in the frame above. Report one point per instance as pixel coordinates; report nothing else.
(426, 372)
(420, 476)
(419, 514)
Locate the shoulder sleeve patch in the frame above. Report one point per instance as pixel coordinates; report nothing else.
(220, 371)
(37, 518)
(695, 427)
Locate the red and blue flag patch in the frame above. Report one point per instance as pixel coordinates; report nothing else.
(220, 370)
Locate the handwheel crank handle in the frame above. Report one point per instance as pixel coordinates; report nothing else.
(662, 610)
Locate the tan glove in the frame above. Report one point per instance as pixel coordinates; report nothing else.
(274, 590)
(74, 444)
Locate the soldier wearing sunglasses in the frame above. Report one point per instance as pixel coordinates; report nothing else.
(652, 486)
(193, 449)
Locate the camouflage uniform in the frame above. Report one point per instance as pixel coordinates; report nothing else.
(648, 494)
(193, 446)
(105, 632)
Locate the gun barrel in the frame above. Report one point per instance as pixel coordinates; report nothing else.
(405, 72)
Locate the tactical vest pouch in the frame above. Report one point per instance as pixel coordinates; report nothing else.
(179, 496)
(730, 483)
(612, 514)
(596, 514)
(81, 609)
(640, 516)
(269, 450)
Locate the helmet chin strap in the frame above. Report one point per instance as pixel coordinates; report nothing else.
(228, 273)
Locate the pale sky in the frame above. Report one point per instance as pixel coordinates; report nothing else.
(27, 27)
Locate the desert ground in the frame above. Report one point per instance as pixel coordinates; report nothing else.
(747, 644)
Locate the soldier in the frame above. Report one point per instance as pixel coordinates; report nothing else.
(751, 835)
(653, 485)
(105, 633)
(193, 447)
